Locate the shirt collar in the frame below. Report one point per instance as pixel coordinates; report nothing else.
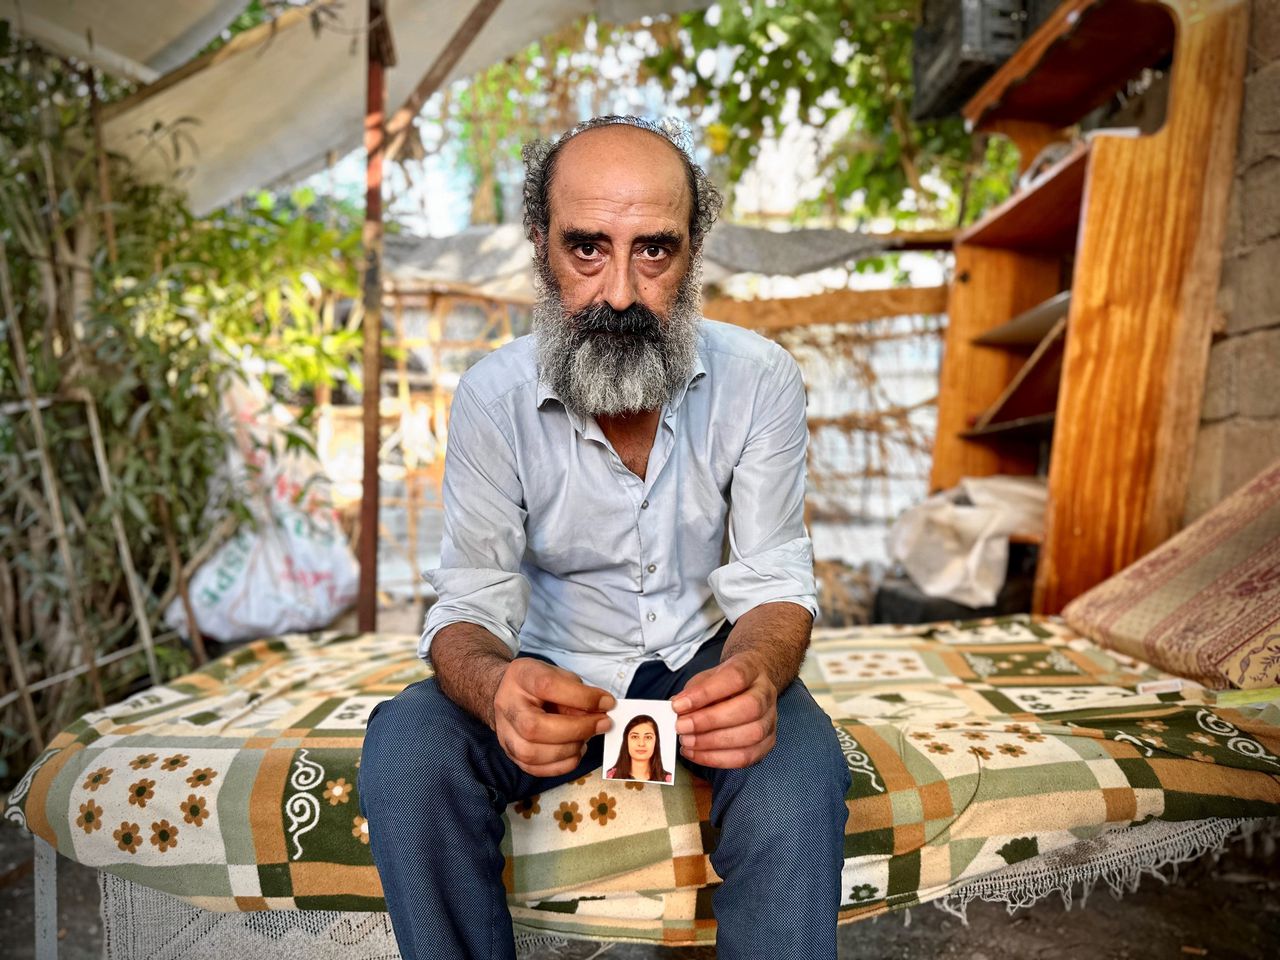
(545, 392)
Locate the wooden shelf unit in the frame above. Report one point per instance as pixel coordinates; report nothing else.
(1124, 236)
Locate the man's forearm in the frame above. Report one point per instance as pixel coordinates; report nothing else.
(469, 662)
(776, 635)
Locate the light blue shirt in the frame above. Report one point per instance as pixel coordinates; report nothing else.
(554, 546)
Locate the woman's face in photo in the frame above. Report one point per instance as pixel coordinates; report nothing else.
(641, 741)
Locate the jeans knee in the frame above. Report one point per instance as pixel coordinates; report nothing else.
(411, 741)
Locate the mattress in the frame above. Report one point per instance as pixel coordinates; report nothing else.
(973, 747)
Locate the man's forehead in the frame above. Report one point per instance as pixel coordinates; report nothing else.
(620, 170)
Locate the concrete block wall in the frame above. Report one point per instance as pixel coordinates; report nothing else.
(1240, 421)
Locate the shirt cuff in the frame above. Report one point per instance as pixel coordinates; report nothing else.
(496, 600)
(784, 572)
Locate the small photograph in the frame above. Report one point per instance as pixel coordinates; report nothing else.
(642, 743)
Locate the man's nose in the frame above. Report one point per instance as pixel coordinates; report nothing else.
(619, 283)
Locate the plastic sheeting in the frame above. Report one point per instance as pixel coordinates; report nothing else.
(956, 543)
(278, 108)
(138, 39)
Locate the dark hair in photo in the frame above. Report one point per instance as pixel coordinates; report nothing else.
(622, 770)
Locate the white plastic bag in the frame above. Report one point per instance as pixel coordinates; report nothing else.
(296, 571)
(960, 551)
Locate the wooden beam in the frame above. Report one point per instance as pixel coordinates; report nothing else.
(399, 124)
(917, 239)
(840, 306)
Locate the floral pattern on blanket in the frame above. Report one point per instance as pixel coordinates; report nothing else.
(972, 747)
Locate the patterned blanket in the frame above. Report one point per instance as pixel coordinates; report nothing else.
(973, 747)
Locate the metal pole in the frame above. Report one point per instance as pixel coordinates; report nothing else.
(46, 900)
(380, 55)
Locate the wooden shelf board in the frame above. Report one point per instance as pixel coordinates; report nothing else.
(1029, 327)
(1074, 62)
(1043, 218)
(1033, 391)
(1024, 428)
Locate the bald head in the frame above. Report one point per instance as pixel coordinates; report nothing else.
(621, 171)
(636, 141)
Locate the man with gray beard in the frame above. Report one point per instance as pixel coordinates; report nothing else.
(624, 495)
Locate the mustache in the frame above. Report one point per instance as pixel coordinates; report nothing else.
(636, 320)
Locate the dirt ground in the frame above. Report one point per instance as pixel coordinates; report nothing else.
(1230, 909)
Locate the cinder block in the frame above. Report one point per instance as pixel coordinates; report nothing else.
(1260, 121)
(1220, 382)
(1258, 380)
(1204, 487)
(1251, 445)
(1228, 455)
(1234, 238)
(1264, 33)
(1250, 293)
(1261, 200)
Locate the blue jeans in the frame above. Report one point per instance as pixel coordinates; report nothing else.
(434, 783)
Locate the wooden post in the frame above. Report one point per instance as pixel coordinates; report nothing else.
(398, 126)
(381, 55)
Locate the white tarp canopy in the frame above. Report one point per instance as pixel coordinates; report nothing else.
(277, 102)
(137, 39)
(499, 260)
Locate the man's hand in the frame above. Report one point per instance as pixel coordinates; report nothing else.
(544, 716)
(728, 715)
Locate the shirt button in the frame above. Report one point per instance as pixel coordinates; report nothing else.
(652, 567)
(652, 616)
(644, 505)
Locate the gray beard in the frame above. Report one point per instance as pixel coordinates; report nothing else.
(615, 368)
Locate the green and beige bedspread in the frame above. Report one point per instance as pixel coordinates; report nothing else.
(972, 747)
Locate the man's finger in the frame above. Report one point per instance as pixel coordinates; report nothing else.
(730, 759)
(538, 726)
(526, 753)
(551, 769)
(551, 684)
(744, 708)
(725, 738)
(710, 686)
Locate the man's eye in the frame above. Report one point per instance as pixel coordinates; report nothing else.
(587, 250)
(653, 252)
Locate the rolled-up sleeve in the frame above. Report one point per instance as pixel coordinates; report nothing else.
(479, 580)
(771, 555)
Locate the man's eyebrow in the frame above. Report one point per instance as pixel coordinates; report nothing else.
(663, 238)
(572, 236)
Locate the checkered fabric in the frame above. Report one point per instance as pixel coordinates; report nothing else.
(972, 747)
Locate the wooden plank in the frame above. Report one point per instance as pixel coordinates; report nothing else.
(1032, 429)
(1033, 391)
(1142, 312)
(1028, 328)
(1074, 62)
(398, 125)
(1043, 217)
(839, 306)
(991, 285)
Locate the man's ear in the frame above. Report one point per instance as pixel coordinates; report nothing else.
(539, 243)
